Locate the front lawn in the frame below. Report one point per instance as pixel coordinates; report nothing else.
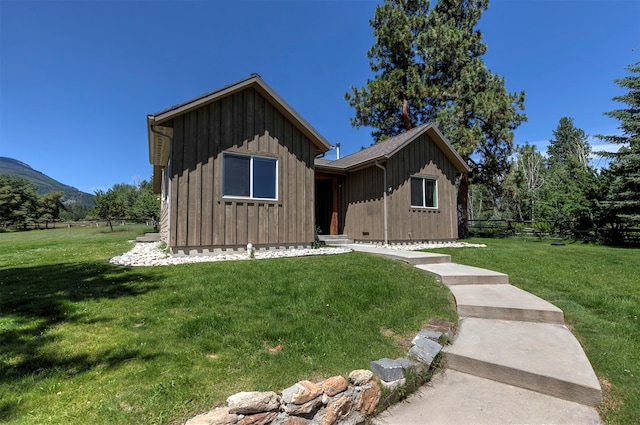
(83, 341)
(598, 288)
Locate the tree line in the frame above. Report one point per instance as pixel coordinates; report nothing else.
(21, 207)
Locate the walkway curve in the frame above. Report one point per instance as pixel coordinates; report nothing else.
(513, 360)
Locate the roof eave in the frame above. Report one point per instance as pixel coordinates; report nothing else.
(449, 151)
(322, 145)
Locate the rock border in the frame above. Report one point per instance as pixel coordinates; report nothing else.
(336, 400)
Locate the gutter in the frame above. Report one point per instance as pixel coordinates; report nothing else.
(384, 201)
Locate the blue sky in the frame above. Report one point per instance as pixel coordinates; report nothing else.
(77, 78)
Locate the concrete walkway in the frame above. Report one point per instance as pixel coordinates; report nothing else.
(513, 360)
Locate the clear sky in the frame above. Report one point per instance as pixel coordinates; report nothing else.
(77, 78)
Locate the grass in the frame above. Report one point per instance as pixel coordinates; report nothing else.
(84, 341)
(598, 288)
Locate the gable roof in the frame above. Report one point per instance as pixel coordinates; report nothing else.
(158, 143)
(384, 150)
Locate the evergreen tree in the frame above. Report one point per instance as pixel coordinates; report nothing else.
(49, 207)
(568, 196)
(570, 147)
(428, 68)
(18, 200)
(622, 199)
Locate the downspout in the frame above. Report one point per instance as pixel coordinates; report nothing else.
(384, 201)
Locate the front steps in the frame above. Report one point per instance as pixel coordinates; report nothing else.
(513, 337)
(455, 398)
(504, 302)
(541, 357)
(458, 274)
(334, 240)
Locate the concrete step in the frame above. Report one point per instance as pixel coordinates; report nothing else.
(540, 357)
(454, 398)
(335, 240)
(411, 257)
(149, 237)
(504, 302)
(458, 274)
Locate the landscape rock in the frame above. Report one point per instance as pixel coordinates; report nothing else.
(337, 410)
(214, 417)
(361, 376)
(440, 325)
(295, 420)
(393, 385)
(334, 385)
(248, 402)
(369, 398)
(354, 418)
(424, 349)
(303, 409)
(431, 334)
(301, 393)
(387, 369)
(264, 418)
(350, 391)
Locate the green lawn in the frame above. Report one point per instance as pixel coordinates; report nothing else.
(598, 288)
(83, 341)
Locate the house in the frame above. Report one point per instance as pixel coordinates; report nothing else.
(238, 165)
(399, 190)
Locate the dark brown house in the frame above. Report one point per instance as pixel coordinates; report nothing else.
(234, 166)
(238, 166)
(399, 190)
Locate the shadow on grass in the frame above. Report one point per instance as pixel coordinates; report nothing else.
(33, 300)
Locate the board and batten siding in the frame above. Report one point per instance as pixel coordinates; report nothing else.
(246, 123)
(364, 211)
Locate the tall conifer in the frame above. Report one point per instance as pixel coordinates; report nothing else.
(428, 68)
(623, 175)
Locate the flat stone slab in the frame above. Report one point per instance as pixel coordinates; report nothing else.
(504, 302)
(541, 357)
(388, 370)
(411, 257)
(458, 274)
(455, 398)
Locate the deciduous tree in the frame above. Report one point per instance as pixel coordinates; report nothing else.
(109, 206)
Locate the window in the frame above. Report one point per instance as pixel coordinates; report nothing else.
(249, 176)
(424, 192)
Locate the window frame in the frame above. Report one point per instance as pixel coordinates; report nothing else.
(424, 179)
(251, 176)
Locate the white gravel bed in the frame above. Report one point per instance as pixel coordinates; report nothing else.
(428, 245)
(150, 253)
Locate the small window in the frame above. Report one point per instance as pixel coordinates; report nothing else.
(424, 192)
(248, 176)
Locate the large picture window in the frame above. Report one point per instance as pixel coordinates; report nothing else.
(248, 176)
(424, 192)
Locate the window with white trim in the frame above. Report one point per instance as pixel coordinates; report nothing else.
(249, 176)
(424, 192)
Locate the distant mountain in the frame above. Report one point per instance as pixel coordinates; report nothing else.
(44, 183)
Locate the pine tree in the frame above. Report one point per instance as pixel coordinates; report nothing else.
(622, 200)
(428, 68)
(567, 199)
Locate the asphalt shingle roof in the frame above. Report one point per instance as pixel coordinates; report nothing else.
(378, 150)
